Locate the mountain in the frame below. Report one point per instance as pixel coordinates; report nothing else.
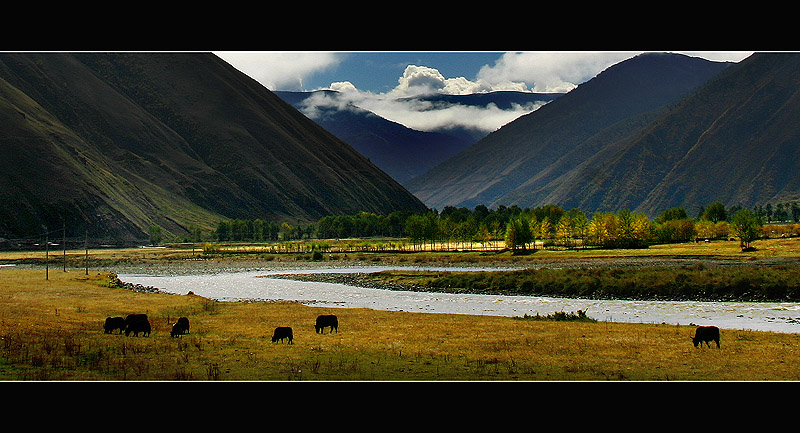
(394, 148)
(512, 164)
(735, 140)
(111, 143)
(402, 152)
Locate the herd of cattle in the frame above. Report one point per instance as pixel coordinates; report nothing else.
(323, 321)
(138, 323)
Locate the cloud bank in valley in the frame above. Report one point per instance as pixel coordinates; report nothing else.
(521, 72)
(399, 104)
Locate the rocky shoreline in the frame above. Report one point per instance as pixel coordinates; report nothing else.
(116, 282)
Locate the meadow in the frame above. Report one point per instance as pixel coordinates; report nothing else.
(51, 329)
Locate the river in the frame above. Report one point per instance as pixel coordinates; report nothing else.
(257, 285)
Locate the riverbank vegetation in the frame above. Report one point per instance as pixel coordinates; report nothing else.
(52, 331)
(520, 230)
(676, 283)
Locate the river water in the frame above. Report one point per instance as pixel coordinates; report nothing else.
(259, 286)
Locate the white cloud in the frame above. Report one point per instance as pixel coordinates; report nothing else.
(550, 71)
(519, 71)
(524, 72)
(720, 56)
(562, 71)
(417, 114)
(424, 116)
(544, 72)
(421, 115)
(343, 86)
(419, 80)
(278, 69)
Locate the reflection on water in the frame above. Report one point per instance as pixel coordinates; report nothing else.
(256, 285)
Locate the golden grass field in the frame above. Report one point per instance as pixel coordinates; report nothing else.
(52, 329)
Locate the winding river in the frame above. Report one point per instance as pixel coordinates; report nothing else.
(258, 285)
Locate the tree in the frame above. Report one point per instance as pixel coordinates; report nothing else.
(422, 227)
(642, 229)
(545, 230)
(535, 228)
(715, 212)
(155, 235)
(564, 229)
(223, 231)
(580, 225)
(676, 213)
(746, 226)
(518, 233)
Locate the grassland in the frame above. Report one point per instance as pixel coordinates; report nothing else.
(51, 329)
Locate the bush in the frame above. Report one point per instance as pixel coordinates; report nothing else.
(655, 283)
(560, 316)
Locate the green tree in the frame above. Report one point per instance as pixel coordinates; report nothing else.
(518, 233)
(156, 235)
(545, 230)
(746, 226)
(715, 213)
(580, 225)
(564, 229)
(676, 213)
(223, 232)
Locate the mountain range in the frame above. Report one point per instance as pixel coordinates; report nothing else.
(110, 144)
(653, 132)
(400, 151)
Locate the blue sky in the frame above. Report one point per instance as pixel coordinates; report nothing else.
(375, 80)
(379, 72)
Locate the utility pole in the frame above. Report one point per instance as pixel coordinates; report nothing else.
(64, 243)
(86, 257)
(47, 256)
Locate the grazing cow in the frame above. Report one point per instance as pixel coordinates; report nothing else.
(282, 332)
(180, 327)
(113, 323)
(324, 321)
(706, 334)
(136, 323)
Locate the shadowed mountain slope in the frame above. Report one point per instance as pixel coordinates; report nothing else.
(735, 140)
(537, 148)
(402, 152)
(111, 144)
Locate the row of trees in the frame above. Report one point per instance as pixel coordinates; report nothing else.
(260, 230)
(519, 229)
(626, 229)
(779, 213)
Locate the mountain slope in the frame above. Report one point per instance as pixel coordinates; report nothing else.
(402, 152)
(735, 140)
(168, 139)
(545, 144)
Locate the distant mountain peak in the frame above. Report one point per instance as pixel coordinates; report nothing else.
(527, 160)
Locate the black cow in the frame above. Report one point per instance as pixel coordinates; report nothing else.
(706, 334)
(324, 321)
(180, 327)
(282, 332)
(136, 323)
(113, 323)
